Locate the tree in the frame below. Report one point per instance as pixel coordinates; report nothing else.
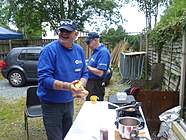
(28, 14)
(114, 36)
(170, 26)
(4, 14)
(25, 16)
(150, 9)
(134, 42)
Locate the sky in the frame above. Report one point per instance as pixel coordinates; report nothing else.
(135, 20)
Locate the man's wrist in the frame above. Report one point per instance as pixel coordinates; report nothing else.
(83, 81)
(58, 85)
(67, 86)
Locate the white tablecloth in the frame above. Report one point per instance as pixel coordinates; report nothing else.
(93, 117)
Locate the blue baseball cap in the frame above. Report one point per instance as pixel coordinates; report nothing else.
(68, 25)
(91, 36)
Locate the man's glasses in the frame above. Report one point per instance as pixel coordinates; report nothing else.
(64, 31)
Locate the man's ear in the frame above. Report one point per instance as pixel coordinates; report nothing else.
(97, 40)
(76, 35)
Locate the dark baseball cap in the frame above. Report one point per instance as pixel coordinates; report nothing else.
(68, 25)
(91, 36)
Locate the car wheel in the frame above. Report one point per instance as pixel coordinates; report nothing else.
(16, 78)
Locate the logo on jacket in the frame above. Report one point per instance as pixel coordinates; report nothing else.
(92, 59)
(78, 62)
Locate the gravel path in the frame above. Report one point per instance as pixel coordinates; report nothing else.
(11, 93)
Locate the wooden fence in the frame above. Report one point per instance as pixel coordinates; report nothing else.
(171, 58)
(7, 45)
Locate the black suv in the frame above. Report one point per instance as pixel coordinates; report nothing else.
(20, 65)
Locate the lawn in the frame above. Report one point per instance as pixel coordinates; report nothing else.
(12, 120)
(1, 77)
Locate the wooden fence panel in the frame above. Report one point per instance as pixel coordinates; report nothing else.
(171, 57)
(6, 45)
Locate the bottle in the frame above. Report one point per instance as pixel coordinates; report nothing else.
(103, 134)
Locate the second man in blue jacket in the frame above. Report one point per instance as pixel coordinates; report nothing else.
(98, 65)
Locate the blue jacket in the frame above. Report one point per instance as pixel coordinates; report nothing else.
(99, 59)
(59, 63)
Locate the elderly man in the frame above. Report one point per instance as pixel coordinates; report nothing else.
(61, 66)
(97, 66)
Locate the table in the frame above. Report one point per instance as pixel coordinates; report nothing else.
(93, 117)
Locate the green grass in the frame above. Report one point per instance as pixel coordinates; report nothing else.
(12, 120)
(1, 77)
(12, 110)
(114, 85)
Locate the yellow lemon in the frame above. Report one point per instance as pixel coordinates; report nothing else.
(78, 84)
(94, 99)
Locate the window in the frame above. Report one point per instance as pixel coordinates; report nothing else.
(31, 55)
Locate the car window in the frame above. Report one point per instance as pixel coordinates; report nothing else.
(31, 55)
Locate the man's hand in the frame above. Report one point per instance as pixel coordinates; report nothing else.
(76, 87)
(59, 85)
(83, 82)
(82, 93)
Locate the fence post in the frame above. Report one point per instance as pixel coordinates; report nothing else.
(146, 59)
(10, 44)
(183, 74)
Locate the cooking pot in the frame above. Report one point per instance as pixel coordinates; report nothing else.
(127, 124)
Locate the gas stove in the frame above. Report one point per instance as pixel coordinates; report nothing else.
(130, 111)
(113, 99)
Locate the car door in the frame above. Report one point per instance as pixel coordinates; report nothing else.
(29, 60)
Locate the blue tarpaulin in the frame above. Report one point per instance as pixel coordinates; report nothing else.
(6, 34)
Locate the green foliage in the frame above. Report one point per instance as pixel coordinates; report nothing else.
(28, 14)
(170, 26)
(114, 36)
(150, 5)
(28, 19)
(24, 14)
(4, 14)
(150, 8)
(134, 42)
